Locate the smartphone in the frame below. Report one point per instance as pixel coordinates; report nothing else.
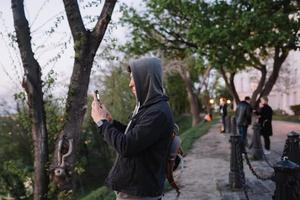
(97, 95)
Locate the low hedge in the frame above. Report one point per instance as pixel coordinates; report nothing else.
(288, 118)
(296, 109)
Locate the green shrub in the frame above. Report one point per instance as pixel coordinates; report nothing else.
(289, 118)
(184, 122)
(296, 109)
(102, 193)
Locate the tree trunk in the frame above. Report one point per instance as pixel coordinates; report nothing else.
(230, 84)
(232, 88)
(33, 86)
(86, 44)
(259, 87)
(194, 107)
(179, 67)
(279, 58)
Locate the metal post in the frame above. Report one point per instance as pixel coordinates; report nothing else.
(233, 126)
(236, 174)
(256, 147)
(287, 179)
(228, 124)
(292, 149)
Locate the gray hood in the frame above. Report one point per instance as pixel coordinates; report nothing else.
(147, 76)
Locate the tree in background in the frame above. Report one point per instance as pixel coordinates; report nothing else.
(161, 31)
(15, 169)
(229, 35)
(16, 149)
(86, 43)
(175, 90)
(116, 95)
(248, 34)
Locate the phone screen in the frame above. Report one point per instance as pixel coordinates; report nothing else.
(97, 95)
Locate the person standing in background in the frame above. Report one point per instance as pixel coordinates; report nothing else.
(265, 113)
(223, 113)
(243, 117)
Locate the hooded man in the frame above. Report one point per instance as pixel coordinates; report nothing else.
(142, 145)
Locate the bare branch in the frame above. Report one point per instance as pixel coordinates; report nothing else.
(103, 21)
(74, 18)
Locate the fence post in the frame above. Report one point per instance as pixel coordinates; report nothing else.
(236, 174)
(287, 179)
(292, 149)
(228, 124)
(256, 148)
(233, 126)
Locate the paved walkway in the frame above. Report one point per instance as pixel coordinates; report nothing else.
(206, 167)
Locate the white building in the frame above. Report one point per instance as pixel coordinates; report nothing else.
(286, 91)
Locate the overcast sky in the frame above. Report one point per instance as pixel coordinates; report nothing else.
(41, 15)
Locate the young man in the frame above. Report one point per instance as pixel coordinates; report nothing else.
(265, 113)
(223, 113)
(243, 117)
(142, 145)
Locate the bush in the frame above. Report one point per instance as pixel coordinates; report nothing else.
(288, 118)
(296, 109)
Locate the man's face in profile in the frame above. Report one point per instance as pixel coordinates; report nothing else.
(132, 85)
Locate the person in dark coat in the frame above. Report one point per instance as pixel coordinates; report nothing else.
(142, 146)
(223, 113)
(265, 113)
(243, 117)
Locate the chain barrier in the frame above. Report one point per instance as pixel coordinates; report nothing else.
(267, 161)
(239, 157)
(254, 172)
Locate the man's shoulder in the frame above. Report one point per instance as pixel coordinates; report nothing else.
(161, 107)
(241, 103)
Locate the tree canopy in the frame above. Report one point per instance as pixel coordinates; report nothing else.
(228, 35)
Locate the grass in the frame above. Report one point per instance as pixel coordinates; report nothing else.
(289, 118)
(189, 136)
(184, 122)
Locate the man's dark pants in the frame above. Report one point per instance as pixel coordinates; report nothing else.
(243, 134)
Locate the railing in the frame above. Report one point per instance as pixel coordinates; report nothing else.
(286, 172)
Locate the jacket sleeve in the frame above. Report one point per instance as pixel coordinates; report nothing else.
(146, 131)
(118, 125)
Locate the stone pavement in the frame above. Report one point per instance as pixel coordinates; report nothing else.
(204, 175)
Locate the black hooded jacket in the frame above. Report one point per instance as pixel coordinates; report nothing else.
(139, 168)
(243, 114)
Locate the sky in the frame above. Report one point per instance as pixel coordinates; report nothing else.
(42, 15)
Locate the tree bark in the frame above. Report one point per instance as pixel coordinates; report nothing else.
(230, 84)
(233, 89)
(32, 84)
(259, 87)
(194, 107)
(178, 66)
(279, 58)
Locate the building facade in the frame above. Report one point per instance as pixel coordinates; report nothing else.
(286, 91)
